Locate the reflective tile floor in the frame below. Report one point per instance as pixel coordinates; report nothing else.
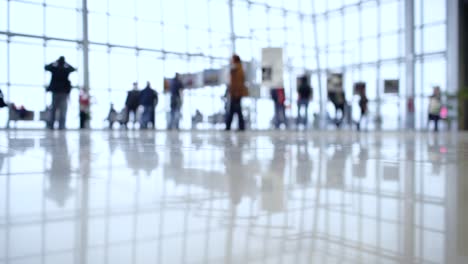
(216, 197)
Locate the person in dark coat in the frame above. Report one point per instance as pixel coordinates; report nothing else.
(60, 88)
(176, 87)
(131, 104)
(305, 95)
(149, 100)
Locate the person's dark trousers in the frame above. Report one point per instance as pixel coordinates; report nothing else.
(339, 121)
(436, 119)
(280, 115)
(174, 118)
(132, 111)
(147, 116)
(235, 108)
(60, 105)
(302, 104)
(83, 118)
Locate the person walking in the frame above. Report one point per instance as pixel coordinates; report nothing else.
(435, 105)
(236, 91)
(60, 87)
(149, 100)
(131, 104)
(305, 95)
(176, 87)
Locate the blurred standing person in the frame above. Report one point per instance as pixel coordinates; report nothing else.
(236, 91)
(60, 87)
(363, 101)
(305, 95)
(176, 87)
(149, 101)
(131, 104)
(279, 99)
(435, 105)
(85, 102)
(112, 116)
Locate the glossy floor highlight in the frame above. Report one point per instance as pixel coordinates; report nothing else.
(216, 197)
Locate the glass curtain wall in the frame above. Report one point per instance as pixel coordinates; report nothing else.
(146, 40)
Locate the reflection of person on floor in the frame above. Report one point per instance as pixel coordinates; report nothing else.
(236, 91)
(140, 153)
(60, 171)
(435, 106)
(272, 181)
(336, 166)
(149, 101)
(304, 92)
(304, 164)
(60, 88)
(234, 170)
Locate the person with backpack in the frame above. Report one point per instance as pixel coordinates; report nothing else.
(131, 104)
(149, 101)
(305, 95)
(60, 87)
(435, 105)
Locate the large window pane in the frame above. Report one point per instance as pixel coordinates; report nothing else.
(62, 23)
(435, 38)
(3, 15)
(434, 11)
(32, 13)
(390, 16)
(31, 72)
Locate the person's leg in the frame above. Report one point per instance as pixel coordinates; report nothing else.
(240, 116)
(230, 115)
(63, 105)
(299, 115)
(134, 116)
(277, 117)
(53, 112)
(436, 123)
(283, 115)
(144, 117)
(172, 118)
(339, 120)
(306, 113)
(83, 119)
(177, 117)
(153, 117)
